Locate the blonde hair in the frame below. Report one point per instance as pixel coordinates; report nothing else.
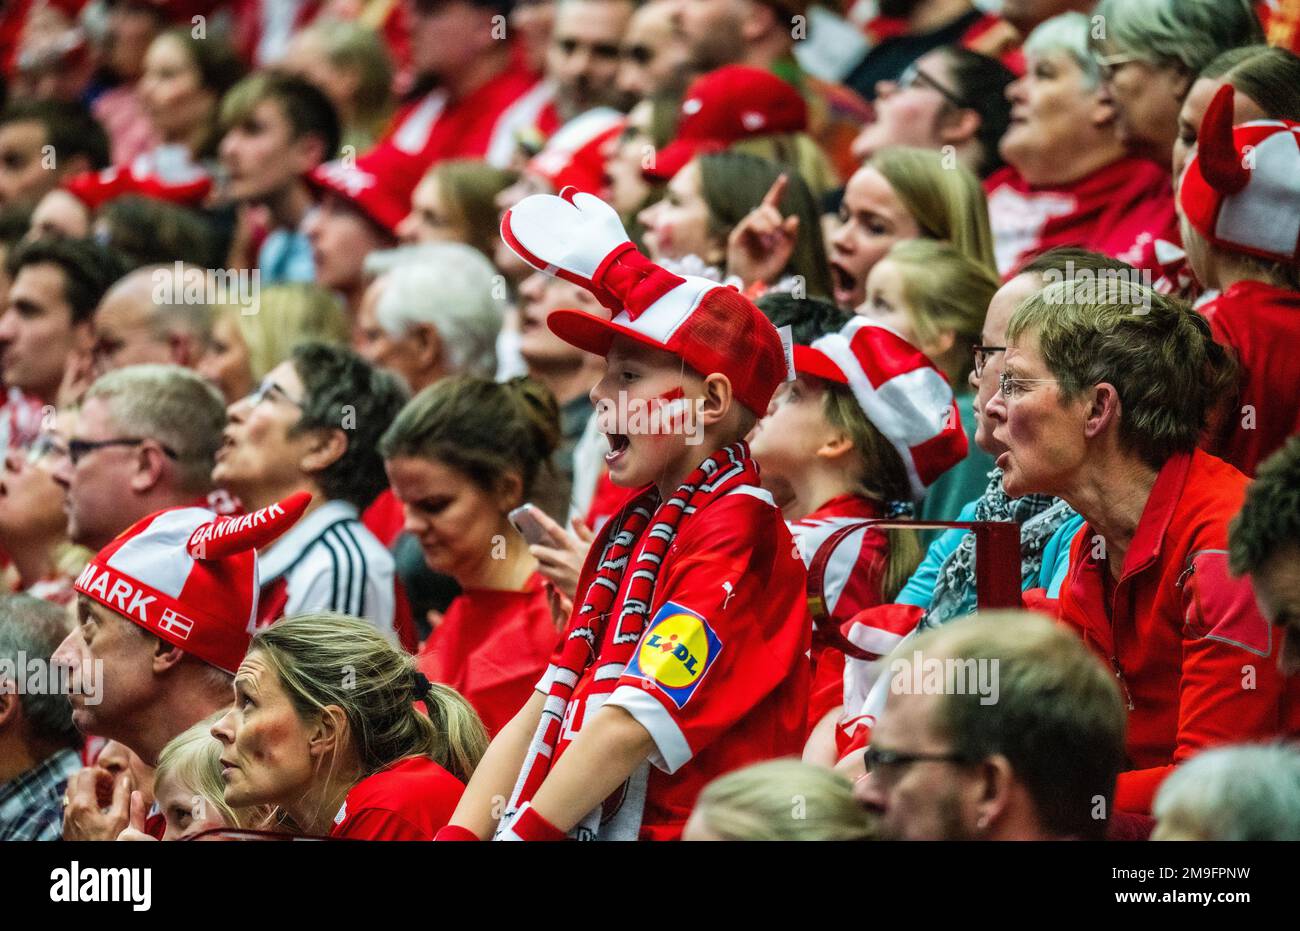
(469, 188)
(193, 758)
(797, 150)
(883, 477)
(284, 316)
(783, 800)
(947, 202)
(945, 290)
(331, 659)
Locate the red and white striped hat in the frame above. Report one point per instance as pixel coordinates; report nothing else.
(190, 576)
(711, 327)
(1241, 187)
(575, 155)
(899, 389)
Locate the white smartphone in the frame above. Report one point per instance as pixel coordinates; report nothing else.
(524, 519)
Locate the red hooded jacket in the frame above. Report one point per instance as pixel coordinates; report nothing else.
(1196, 660)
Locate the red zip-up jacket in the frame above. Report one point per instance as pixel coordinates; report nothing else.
(1196, 660)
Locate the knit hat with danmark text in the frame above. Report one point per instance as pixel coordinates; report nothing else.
(190, 576)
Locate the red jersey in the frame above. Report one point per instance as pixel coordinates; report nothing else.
(1119, 210)
(854, 575)
(1196, 661)
(491, 647)
(482, 125)
(1260, 324)
(410, 800)
(720, 675)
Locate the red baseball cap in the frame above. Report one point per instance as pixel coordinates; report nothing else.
(724, 106)
(379, 183)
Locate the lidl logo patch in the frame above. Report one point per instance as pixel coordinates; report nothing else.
(675, 652)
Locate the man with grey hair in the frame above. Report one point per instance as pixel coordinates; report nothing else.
(38, 741)
(146, 439)
(1232, 793)
(145, 318)
(432, 311)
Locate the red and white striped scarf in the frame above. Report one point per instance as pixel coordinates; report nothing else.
(645, 523)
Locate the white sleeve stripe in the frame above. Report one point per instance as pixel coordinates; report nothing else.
(342, 561)
(672, 750)
(362, 572)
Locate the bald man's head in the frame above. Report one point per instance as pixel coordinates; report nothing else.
(146, 318)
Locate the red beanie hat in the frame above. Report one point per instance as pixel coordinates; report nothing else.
(899, 390)
(190, 577)
(1241, 187)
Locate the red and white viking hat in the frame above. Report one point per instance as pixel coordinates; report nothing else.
(1241, 187)
(711, 327)
(190, 576)
(907, 399)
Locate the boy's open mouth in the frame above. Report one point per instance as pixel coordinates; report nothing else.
(618, 444)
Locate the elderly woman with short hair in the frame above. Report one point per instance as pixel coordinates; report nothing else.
(1103, 395)
(1232, 793)
(1068, 180)
(1150, 52)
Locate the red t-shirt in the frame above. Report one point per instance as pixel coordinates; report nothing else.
(410, 800)
(481, 125)
(731, 589)
(1119, 210)
(1196, 661)
(1260, 323)
(492, 646)
(854, 574)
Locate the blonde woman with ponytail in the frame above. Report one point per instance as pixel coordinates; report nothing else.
(326, 728)
(462, 455)
(936, 298)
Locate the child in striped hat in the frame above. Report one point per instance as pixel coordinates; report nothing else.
(1240, 203)
(685, 655)
(864, 430)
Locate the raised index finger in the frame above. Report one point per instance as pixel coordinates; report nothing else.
(774, 194)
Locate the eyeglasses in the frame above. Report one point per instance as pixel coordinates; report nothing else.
(879, 761)
(79, 449)
(47, 444)
(913, 76)
(1010, 386)
(268, 388)
(982, 354)
(1109, 65)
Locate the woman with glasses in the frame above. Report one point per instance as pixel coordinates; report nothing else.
(951, 97)
(33, 523)
(1068, 180)
(1103, 397)
(1150, 54)
(313, 425)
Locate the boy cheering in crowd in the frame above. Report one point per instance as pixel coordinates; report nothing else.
(685, 655)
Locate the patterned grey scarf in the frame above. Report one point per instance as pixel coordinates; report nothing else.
(1039, 516)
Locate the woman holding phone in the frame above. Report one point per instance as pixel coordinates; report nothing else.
(461, 456)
